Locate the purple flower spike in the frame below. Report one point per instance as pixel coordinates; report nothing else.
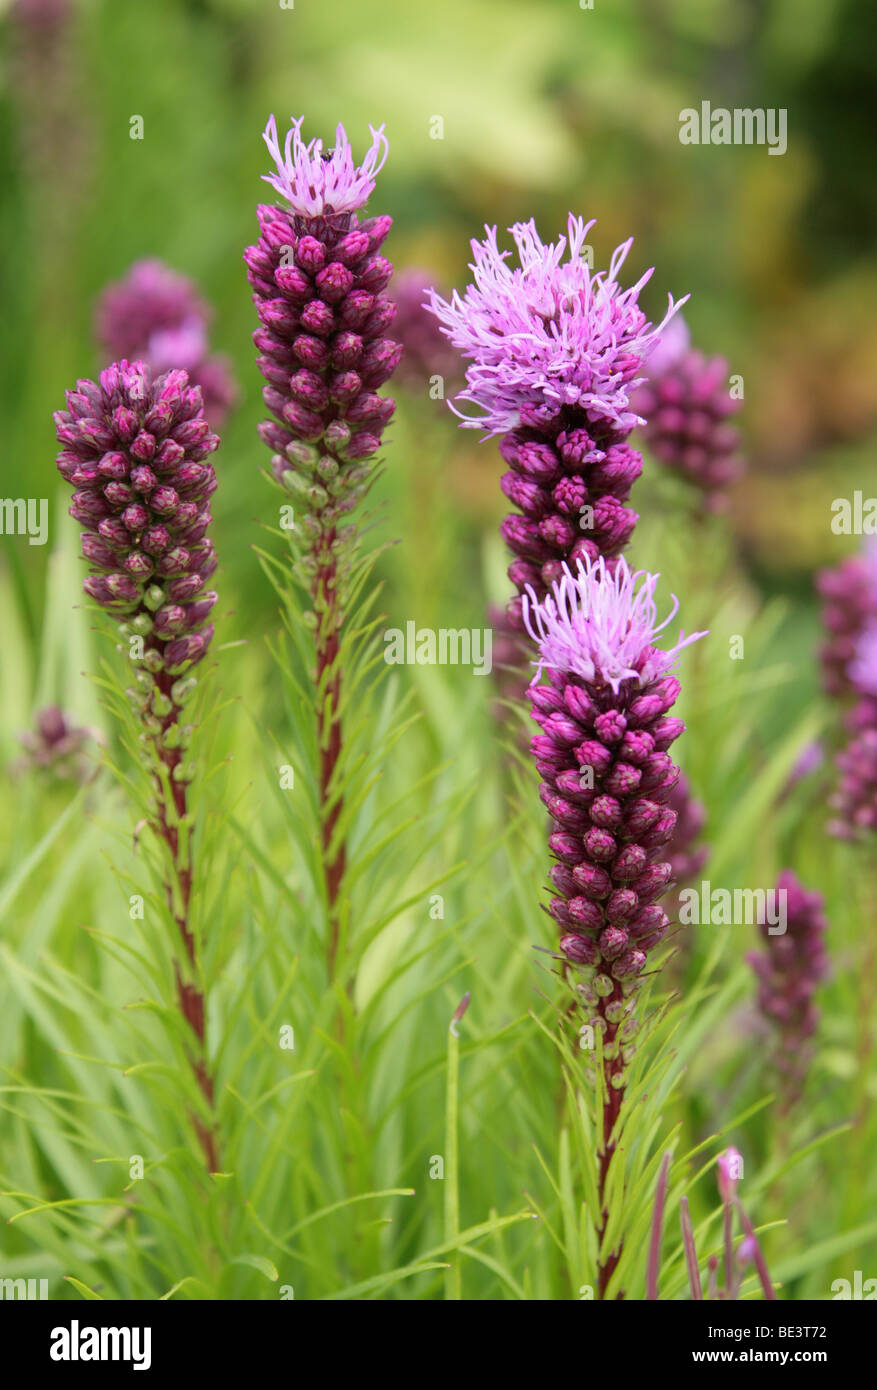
(555, 352)
(136, 449)
(606, 780)
(156, 316)
(855, 801)
(319, 286)
(687, 408)
(788, 972)
(144, 523)
(607, 776)
(320, 290)
(849, 594)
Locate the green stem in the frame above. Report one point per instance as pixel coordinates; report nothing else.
(453, 1276)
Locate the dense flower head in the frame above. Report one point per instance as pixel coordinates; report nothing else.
(156, 315)
(607, 779)
(849, 608)
(789, 970)
(854, 802)
(548, 333)
(135, 448)
(603, 626)
(320, 290)
(315, 182)
(687, 405)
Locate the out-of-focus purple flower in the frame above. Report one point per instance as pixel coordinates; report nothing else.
(789, 970)
(44, 16)
(157, 316)
(668, 348)
(686, 856)
(554, 352)
(730, 1166)
(57, 745)
(862, 670)
(854, 803)
(811, 758)
(687, 406)
(511, 653)
(427, 353)
(135, 449)
(607, 775)
(849, 594)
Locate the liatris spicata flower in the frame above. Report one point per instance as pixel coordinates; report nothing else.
(788, 972)
(156, 315)
(555, 352)
(686, 856)
(849, 594)
(427, 353)
(607, 778)
(854, 803)
(687, 407)
(607, 774)
(319, 286)
(55, 745)
(136, 450)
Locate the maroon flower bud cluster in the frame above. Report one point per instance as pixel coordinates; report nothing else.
(570, 479)
(155, 315)
(687, 408)
(607, 781)
(607, 775)
(854, 802)
(136, 452)
(789, 970)
(319, 288)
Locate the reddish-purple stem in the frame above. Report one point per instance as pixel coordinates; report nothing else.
(654, 1263)
(690, 1250)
